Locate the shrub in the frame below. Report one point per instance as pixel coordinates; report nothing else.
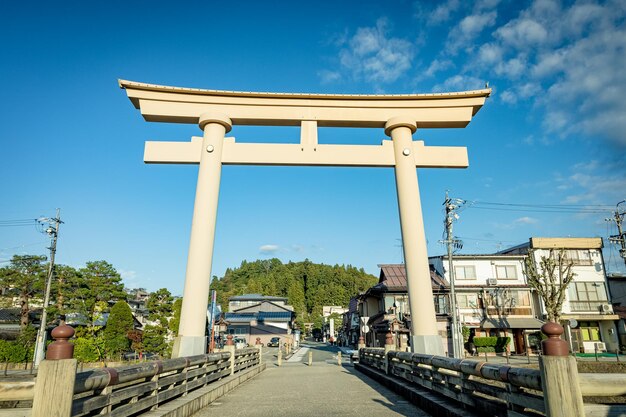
(491, 344)
(11, 351)
(85, 350)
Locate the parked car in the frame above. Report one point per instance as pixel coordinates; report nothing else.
(274, 342)
(240, 343)
(130, 356)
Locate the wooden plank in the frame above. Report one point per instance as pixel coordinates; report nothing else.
(133, 408)
(172, 379)
(85, 405)
(120, 395)
(605, 410)
(171, 393)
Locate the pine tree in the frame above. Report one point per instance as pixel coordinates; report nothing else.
(119, 324)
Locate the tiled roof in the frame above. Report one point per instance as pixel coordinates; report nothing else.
(620, 311)
(256, 297)
(393, 278)
(12, 315)
(282, 316)
(9, 315)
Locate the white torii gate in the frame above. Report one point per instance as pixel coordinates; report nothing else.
(217, 111)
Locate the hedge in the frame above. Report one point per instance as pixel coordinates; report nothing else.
(491, 344)
(13, 352)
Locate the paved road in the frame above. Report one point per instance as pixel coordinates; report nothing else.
(298, 390)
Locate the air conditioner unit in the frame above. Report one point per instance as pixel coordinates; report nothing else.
(606, 309)
(599, 347)
(492, 281)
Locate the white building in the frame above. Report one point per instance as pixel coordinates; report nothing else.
(587, 311)
(493, 297)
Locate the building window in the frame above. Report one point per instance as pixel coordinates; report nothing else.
(467, 300)
(441, 304)
(587, 296)
(509, 302)
(575, 256)
(465, 272)
(590, 331)
(506, 272)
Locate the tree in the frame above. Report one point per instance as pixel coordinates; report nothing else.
(154, 340)
(159, 306)
(26, 277)
(98, 284)
(118, 325)
(174, 322)
(550, 277)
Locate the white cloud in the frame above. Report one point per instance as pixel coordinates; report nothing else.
(593, 183)
(437, 66)
(570, 61)
(443, 12)
(468, 29)
(460, 83)
(130, 278)
(269, 249)
(525, 220)
(373, 56)
(490, 53)
(508, 96)
(329, 76)
(522, 34)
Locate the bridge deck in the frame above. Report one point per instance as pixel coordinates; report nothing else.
(324, 388)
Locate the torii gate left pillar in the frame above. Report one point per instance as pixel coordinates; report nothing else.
(217, 111)
(192, 339)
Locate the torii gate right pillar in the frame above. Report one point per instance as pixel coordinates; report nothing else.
(424, 336)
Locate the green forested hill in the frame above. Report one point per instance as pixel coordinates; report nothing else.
(307, 285)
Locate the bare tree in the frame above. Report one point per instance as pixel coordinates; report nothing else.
(550, 276)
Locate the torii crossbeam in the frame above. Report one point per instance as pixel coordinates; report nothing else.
(217, 111)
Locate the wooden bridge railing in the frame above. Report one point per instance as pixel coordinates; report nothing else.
(128, 390)
(497, 390)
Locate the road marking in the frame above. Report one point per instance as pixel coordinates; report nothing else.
(297, 357)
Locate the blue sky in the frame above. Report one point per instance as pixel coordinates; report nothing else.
(553, 132)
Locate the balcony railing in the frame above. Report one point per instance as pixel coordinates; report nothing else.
(586, 305)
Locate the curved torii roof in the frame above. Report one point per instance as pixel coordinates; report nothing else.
(160, 103)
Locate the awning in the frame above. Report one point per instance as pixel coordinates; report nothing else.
(511, 323)
(590, 317)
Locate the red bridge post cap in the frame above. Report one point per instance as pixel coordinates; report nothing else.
(554, 345)
(61, 348)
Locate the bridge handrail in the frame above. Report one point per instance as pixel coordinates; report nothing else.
(498, 386)
(101, 378)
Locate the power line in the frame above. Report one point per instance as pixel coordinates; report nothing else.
(604, 206)
(544, 210)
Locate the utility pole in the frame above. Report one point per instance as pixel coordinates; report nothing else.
(53, 231)
(212, 322)
(620, 237)
(451, 205)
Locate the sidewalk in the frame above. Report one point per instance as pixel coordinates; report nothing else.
(300, 390)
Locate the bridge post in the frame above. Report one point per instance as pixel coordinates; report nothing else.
(339, 358)
(310, 358)
(230, 347)
(191, 339)
(389, 346)
(54, 386)
(259, 346)
(280, 357)
(559, 375)
(424, 335)
(361, 344)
